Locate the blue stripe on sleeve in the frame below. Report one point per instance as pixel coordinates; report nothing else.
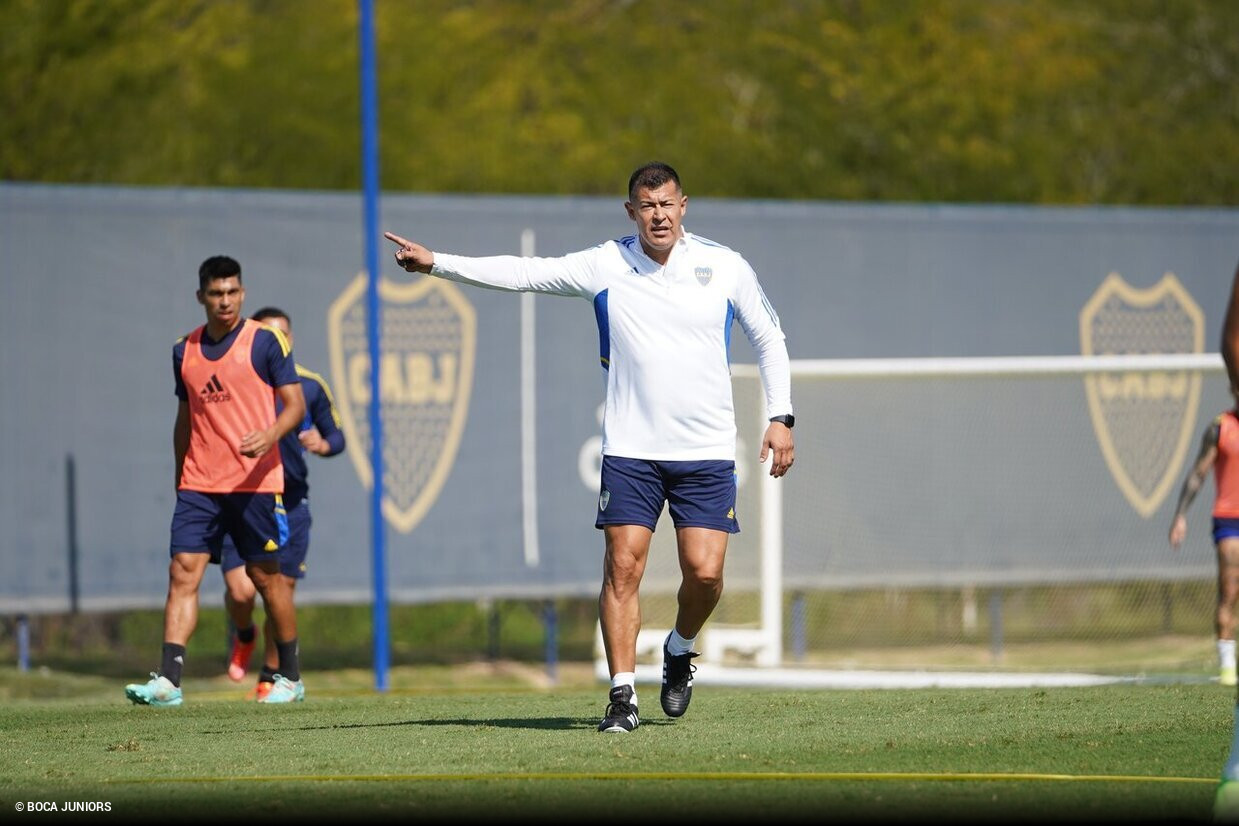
(731, 316)
(604, 329)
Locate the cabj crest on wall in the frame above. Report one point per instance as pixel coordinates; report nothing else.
(1144, 421)
(426, 374)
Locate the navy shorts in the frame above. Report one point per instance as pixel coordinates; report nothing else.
(292, 554)
(697, 494)
(255, 521)
(1224, 528)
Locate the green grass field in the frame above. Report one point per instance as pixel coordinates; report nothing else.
(492, 743)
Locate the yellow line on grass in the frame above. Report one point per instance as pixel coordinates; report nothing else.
(706, 776)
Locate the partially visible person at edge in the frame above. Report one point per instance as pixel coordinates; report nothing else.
(664, 300)
(319, 433)
(1226, 804)
(230, 481)
(1230, 335)
(1219, 451)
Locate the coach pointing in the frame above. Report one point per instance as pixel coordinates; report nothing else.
(664, 300)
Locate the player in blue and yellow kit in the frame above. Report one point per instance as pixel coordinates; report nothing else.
(319, 433)
(230, 481)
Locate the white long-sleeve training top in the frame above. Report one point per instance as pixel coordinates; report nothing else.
(663, 336)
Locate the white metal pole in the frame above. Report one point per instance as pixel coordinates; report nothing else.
(529, 416)
(771, 653)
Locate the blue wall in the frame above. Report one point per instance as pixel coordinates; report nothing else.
(96, 283)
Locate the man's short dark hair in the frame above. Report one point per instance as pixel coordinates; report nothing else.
(272, 312)
(217, 266)
(652, 176)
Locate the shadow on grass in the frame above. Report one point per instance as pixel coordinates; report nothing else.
(540, 723)
(527, 722)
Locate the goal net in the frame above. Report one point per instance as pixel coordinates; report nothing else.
(960, 513)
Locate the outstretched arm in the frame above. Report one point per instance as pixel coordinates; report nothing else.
(571, 275)
(1192, 484)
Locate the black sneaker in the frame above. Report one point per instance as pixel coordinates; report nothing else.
(677, 688)
(621, 712)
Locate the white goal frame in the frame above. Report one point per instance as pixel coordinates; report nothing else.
(764, 644)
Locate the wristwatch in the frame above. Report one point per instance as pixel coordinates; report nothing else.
(786, 419)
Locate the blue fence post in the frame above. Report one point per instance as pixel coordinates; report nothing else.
(550, 622)
(71, 527)
(995, 624)
(23, 643)
(798, 626)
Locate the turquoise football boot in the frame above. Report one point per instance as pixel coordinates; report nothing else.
(284, 690)
(158, 691)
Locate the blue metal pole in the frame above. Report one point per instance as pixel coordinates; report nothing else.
(370, 173)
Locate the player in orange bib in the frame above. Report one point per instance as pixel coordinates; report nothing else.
(1226, 802)
(319, 434)
(1219, 450)
(229, 476)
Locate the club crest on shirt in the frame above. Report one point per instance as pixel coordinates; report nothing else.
(426, 375)
(1144, 420)
(704, 274)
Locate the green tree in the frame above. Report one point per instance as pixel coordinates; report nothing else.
(1031, 101)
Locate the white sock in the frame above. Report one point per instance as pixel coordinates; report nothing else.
(678, 645)
(1231, 770)
(628, 678)
(1226, 653)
